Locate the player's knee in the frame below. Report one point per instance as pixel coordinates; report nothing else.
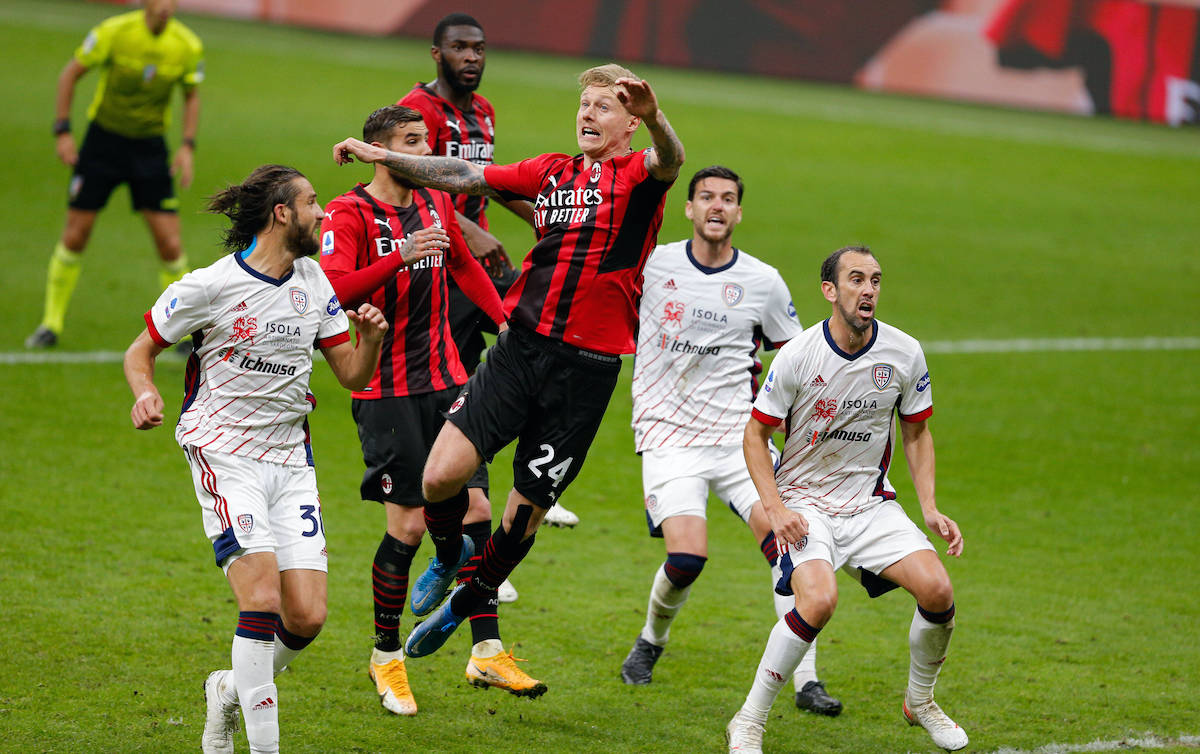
(817, 606)
(261, 599)
(439, 481)
(683, 568)
(308, 620)
(937, 596)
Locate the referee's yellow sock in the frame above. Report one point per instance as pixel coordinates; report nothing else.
(61, 277)
(173, 270)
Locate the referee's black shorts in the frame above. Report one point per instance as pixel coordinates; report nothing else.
(106, 160)
(549, 395)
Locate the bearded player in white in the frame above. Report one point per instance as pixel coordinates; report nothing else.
(255, 316)
(830, 502)
(706, 307)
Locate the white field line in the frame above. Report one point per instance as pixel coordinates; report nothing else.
(1144, 741)
(1011, 345)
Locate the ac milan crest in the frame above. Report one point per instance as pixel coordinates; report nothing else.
(458, 403)
(246, 523)
(733, 294)
(597, 171)
(299, 300)
(385, 484)
(881, 375)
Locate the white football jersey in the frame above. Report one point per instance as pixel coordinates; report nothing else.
(838, 412)
(246, 386)
(700, 328)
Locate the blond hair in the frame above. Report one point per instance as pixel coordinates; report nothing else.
(604, 75)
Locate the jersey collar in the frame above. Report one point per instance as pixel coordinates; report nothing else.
(843, 354)
(710, 270)
(240, 256)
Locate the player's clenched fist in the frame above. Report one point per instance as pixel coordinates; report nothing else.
(369, 322)
(351, 149)
(147, 411)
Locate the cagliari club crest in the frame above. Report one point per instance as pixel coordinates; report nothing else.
(881, 375)
(245, 522)
(733, 294)
(299, 300)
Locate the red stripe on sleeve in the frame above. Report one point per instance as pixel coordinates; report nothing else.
(334, 340)
(920, 416)
(154, 334)
(770, 421)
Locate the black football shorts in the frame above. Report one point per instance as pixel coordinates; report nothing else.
(549, 396)
(106, 160)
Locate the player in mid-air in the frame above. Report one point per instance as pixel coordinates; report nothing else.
(143, 56)
(462, 123)
(835, 388)
(255, 316)
(548, 379)
(706, 308)
(369, 235)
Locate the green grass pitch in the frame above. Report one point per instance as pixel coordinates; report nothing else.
(1072, 474)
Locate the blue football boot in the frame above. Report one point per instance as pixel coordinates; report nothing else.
(433, 584)
(429, 635)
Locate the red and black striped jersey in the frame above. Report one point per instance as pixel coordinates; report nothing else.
(359, 231)
(595, 230)
(467, 134)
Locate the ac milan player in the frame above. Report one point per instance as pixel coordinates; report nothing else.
(373, 240)
(706, 307)
(830, 504)
(548, 379)
(255, 316)
(462, 123)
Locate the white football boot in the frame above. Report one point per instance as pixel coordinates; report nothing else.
(944, 731)
(560, 516)
(506, 592)
(744, 734)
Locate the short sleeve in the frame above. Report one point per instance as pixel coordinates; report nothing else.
(774, 401)
(184, 307)
(193, 73)
(780, 323)
(916, 400)
(96, 46)
(335, 325)
(342, 233)
(520, 180)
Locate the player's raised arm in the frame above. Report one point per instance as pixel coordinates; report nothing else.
(147, 411)
(918, 451)
(639, 99)
(354, 365)
(448, 174)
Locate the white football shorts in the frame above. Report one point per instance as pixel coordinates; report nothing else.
(676, 481)
(250, 506)
(873, 539)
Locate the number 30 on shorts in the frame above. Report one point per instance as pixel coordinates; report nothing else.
(312, 514)
(556, 472)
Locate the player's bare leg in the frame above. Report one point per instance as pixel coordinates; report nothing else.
(255, 581)
(924, 576)
(816, 598)
(686, 540)
(62, 275)
(165, 231)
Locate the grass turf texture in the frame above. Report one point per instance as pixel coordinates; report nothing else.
(1071, 474)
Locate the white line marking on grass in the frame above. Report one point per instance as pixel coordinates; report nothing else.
(1010, 345)
(1029, 345)
(1145, 741)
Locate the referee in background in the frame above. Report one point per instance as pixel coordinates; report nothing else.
(142, 55)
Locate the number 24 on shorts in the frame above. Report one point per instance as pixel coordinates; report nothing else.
(555, 472)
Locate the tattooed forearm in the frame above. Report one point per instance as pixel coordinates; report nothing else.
(448, 174)
(668, 153)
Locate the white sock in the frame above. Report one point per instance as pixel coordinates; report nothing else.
(807, 669)
(487, 648)
(227, 690)
(253, 670)
(666, 600)
(283, 656)
(927, 644)
(779, 660)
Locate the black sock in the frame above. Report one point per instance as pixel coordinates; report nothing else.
(485, 619)
(389, 579)
(443, 521)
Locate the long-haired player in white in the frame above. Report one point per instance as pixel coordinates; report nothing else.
(705, 310)
(255, 316)
(835, 387)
